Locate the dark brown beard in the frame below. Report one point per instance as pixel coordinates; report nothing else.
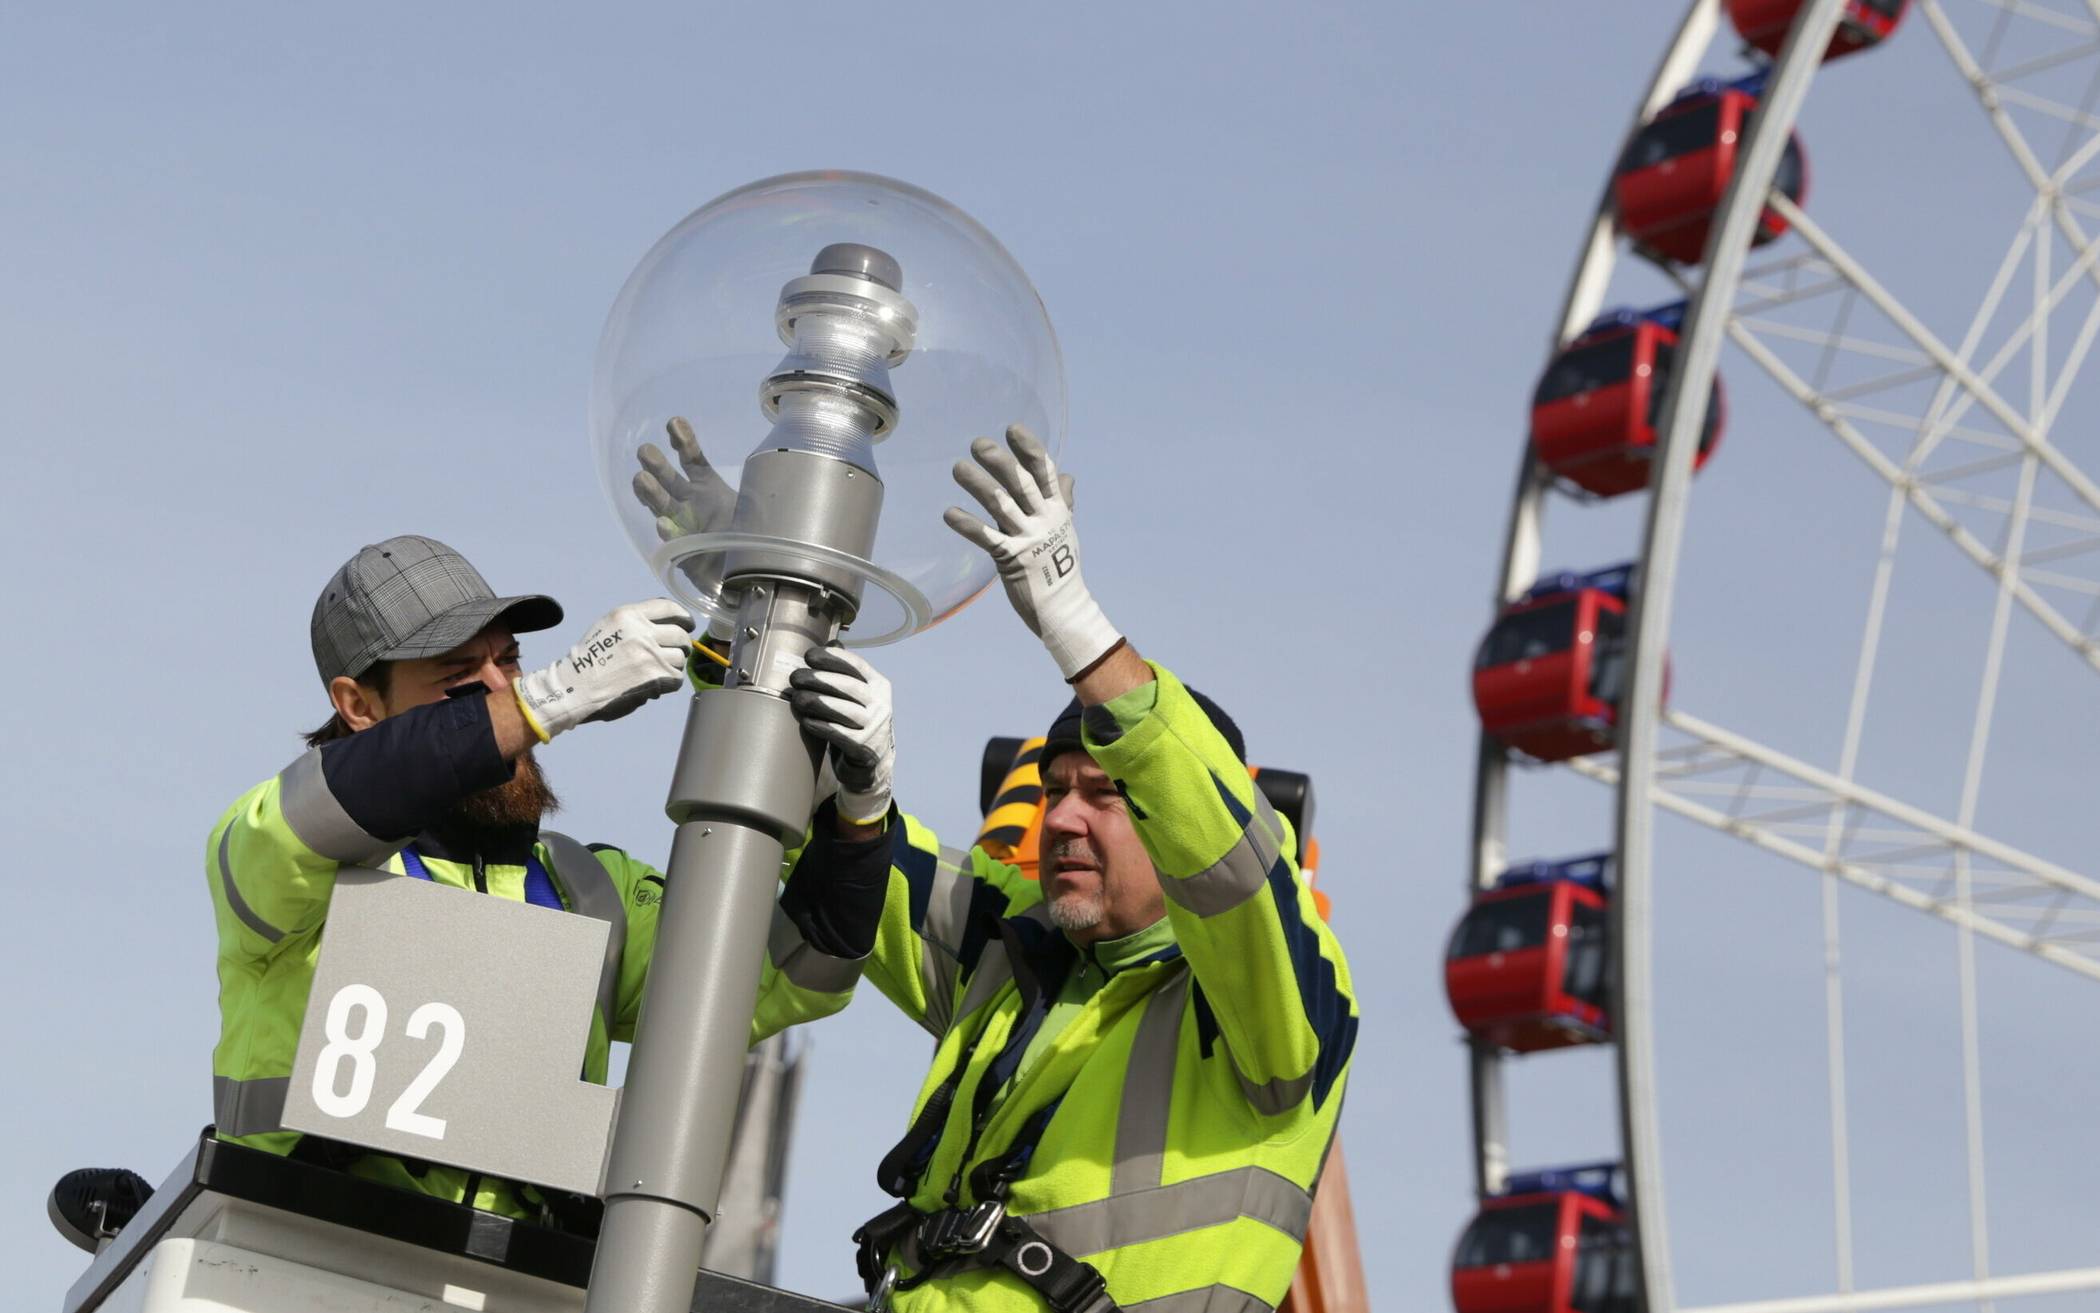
(520, 800)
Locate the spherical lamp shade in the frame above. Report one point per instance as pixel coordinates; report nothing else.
(846, 315)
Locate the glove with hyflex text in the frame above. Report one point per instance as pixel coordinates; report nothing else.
(1035, 547)
(840, 699)
(635, 653)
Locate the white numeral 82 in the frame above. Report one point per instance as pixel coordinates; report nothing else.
(358, 1050)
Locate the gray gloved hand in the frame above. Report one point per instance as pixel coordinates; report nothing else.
(1035, 546)
(696, 500)
(841, 699)
(635, 653)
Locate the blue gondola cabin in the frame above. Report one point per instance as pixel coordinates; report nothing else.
(1671, 179)
(1548, 677)
(1764, 23)
(1595, 411)
(1554, 1242)
(1526, 969)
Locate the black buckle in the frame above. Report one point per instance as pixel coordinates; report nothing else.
(953, 1232)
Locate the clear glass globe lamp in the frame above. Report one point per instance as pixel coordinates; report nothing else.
(842, 314)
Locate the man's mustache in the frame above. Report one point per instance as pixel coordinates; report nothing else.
(1075, 849)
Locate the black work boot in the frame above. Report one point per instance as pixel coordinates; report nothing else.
(92, 1204)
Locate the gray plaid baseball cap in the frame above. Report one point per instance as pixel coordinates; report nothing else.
(411, 597)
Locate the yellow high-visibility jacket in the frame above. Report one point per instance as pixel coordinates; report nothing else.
(1195, 1094)
(271, 863)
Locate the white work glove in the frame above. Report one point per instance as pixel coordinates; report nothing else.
(1035, 547)
(695, 501)
(635, 653)
(840, 699)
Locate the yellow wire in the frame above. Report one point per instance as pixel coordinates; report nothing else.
(712, 655)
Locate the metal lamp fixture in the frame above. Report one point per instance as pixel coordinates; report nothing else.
(830, 530)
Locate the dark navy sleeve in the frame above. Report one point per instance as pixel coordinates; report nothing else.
(834, 893)
(401, 775)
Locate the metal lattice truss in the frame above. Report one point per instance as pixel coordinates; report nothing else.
(1961, 459)
(1869, 840)
(1962, 431)
(1965, 434)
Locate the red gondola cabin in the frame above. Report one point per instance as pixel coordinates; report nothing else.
(1670, 181)
(1554, 1243)
(1525, 970)
(1548, 676)
(1594, 412)
(1764, 23)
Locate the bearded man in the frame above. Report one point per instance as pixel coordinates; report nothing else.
(426, 769)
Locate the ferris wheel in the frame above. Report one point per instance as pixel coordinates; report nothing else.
(1867, 673)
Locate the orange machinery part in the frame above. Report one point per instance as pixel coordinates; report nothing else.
(1330, 1276)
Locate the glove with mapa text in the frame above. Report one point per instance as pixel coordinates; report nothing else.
(637, 652)
(1035, 547)
(839, 698)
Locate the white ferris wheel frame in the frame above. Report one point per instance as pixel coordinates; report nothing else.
(1824, 820)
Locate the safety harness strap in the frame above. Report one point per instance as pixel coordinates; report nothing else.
(956, 1239)
(539, 889)
(879, 1237)
(1067, 1284)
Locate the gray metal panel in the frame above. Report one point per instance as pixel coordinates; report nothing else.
(1648, 626)
(522, 979)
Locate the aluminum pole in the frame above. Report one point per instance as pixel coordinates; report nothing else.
(746, 777)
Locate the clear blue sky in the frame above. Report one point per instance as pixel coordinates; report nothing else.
(280, 281)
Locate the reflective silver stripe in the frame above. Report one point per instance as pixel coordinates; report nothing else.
(948, 910)
(233, 892)
(1210, 1299)
(592, 892)
(994, 967)
(1148, 1090)
(248, 1107)
(941, 933)
(1119, 1220)
(803, 965)
(934, 968)
(1277, 1096)
(994, 970)
(1240, 873)
(308, 806)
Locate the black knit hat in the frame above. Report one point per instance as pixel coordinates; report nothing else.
(1064, 731)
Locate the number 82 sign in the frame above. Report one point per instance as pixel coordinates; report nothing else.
(484, 1072)
(356, 1051)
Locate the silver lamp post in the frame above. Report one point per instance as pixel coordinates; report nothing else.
(793, 562)
(746, 776)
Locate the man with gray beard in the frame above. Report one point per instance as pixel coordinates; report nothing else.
(1140, 1057)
